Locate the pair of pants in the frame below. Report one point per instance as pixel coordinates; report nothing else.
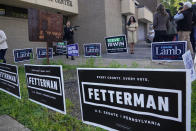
(185, 36)
(160, 36)
(193, 37)
(2, 55)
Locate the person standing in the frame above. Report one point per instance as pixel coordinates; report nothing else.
(3, 45)
(68, 35)
(172, 27)
(193, 32)
(184, 19)
(132, 26)
(160, 24)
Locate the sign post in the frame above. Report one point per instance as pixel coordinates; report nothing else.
(116, 44)
(45, 86)
(92, 50)
(168, 51)
(9, 80)
(136, 99)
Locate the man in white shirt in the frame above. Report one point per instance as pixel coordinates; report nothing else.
(3, 45)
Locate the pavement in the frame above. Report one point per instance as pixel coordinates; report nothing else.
(9, 124)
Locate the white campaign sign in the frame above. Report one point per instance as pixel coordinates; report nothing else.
(188, 63)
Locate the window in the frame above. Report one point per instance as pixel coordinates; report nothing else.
(11, 11)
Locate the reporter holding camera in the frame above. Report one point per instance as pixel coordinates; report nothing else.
(68, 35)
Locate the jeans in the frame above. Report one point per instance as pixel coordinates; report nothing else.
(2, 55)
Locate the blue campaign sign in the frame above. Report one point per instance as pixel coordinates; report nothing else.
(21, 55)
(42, 53)
(168, 51)
(92, 50)
(73, 50)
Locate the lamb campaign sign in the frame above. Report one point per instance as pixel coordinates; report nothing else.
(61, 48)
(42, 53)
(116, 44)
(9, 81)
(168, 51)
(21, 55)
(92, 50)
(73, 50)
(136, 99)
(46, 86)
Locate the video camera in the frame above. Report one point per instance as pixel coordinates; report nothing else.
(75, 27)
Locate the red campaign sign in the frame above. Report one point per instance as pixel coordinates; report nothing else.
(45, 26)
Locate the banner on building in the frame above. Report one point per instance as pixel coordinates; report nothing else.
(61, 48)
(168, 51)
(46, 86)
(9, 80)
(45, 26)
(116, 44)
(92, 50)
(188, 63)
(73, 50)
(136, 99)
(21, 55)
(42, 53)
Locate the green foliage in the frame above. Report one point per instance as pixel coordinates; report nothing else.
(134, 65)
(115, 64)
(173, 5)
(44, 62)
(90, 62)
(193, 105)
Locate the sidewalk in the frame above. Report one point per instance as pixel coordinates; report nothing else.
(9, 124)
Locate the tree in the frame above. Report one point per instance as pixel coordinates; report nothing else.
(173, 5)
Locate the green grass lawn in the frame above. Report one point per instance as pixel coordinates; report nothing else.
(38, 118)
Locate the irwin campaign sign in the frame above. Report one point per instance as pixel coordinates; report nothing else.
(21, 55)
(92, 50)
(61, 48)
(42, 53)
(46, 86)
(9, 80)
(136, 99)
(116, 44)
(168, 51)
(73, 50)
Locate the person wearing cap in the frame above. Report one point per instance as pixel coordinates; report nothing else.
(3, 45)
(184, 19)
